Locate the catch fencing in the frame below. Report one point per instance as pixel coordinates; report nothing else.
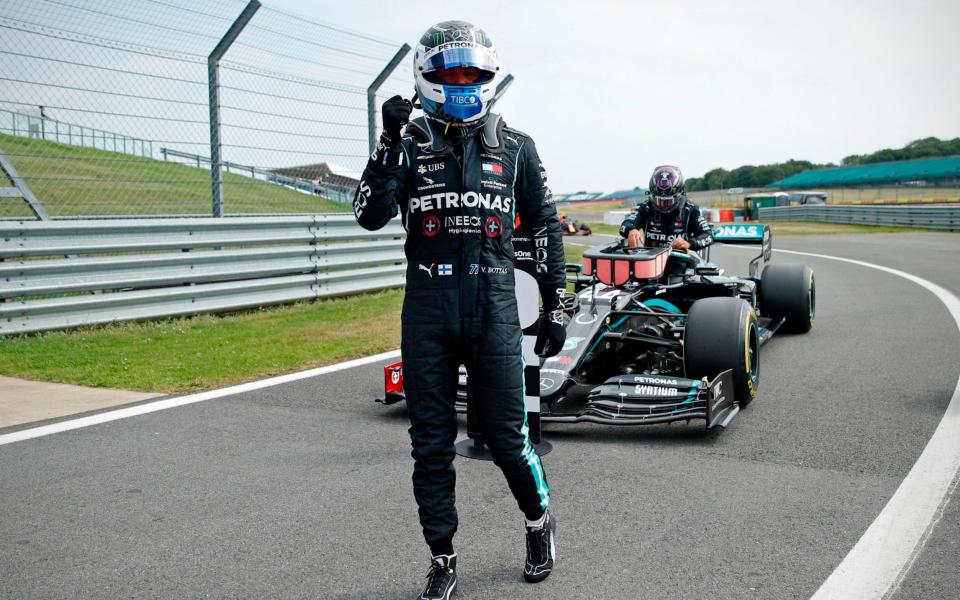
(920, 216)
(60, 274)
(99, 88)
(337, 193)
(51, 130)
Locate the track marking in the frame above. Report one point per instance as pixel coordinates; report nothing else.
(149, 407)
(878, 563)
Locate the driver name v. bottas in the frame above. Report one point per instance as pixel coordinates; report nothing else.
(459, 178)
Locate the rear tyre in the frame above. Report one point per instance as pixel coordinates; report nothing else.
(721, 334)
(788, 291)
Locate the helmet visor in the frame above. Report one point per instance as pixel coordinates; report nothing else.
(470, 58)
(665, 203)
(459, 76)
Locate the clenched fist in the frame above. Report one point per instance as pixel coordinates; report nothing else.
(396, 113)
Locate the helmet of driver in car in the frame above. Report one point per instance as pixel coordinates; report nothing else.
(456, 72)
(667, 189)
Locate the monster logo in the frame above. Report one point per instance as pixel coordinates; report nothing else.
(665, 181)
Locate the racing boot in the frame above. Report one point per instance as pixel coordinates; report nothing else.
(541, 549)
(442, 578)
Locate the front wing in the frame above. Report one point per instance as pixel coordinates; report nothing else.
(620, 400)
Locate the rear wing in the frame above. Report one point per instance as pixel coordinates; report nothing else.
(747, 233)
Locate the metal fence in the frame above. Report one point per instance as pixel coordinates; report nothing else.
(920, 216)
(339, 194)
(51, 130)
(61, 274)
(278, 91)
(894, 194)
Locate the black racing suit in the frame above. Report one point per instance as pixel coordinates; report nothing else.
(660, 229)
(459, 196)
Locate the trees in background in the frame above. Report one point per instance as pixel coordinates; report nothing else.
(925, 148)
(759, 176)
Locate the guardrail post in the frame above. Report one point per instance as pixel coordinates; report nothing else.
(213, 83)
(6, 167)
(372, 94)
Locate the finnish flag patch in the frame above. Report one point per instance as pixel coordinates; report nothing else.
(444, 270)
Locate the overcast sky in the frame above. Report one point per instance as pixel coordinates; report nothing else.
(611, 89)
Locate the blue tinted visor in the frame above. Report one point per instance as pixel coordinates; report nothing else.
(476, 57)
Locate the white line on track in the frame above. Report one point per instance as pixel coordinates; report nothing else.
(877, 564)
(149, 407)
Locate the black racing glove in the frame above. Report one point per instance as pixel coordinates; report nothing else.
(396, 113)
(550, 337)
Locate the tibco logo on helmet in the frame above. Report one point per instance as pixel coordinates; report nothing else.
(456, 72)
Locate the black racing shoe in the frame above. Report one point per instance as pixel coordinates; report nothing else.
(541, 551)
(442, 578)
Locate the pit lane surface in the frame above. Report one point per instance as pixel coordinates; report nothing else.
(302, 490)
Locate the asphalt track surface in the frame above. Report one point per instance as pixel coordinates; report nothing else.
(303, 490)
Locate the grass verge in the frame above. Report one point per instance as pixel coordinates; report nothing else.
(605, 229)
(202, 352)
(573, 251)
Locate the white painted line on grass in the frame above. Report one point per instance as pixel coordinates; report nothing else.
(149, 407)
(877, 564)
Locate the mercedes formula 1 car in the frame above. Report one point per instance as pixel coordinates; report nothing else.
(656, 335)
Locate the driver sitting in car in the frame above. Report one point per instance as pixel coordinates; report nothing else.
(667, 218)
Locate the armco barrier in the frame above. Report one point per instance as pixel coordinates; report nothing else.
(61, 274)
(921, 216)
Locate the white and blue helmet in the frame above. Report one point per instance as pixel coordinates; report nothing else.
(445, 47)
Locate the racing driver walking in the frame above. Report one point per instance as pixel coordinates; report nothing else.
(459, 177)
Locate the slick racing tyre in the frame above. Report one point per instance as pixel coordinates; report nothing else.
(789, 291)
(721, 334)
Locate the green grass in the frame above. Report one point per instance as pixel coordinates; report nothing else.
(605, 229)
(202, 352)
(75, 181)
(573, 251)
